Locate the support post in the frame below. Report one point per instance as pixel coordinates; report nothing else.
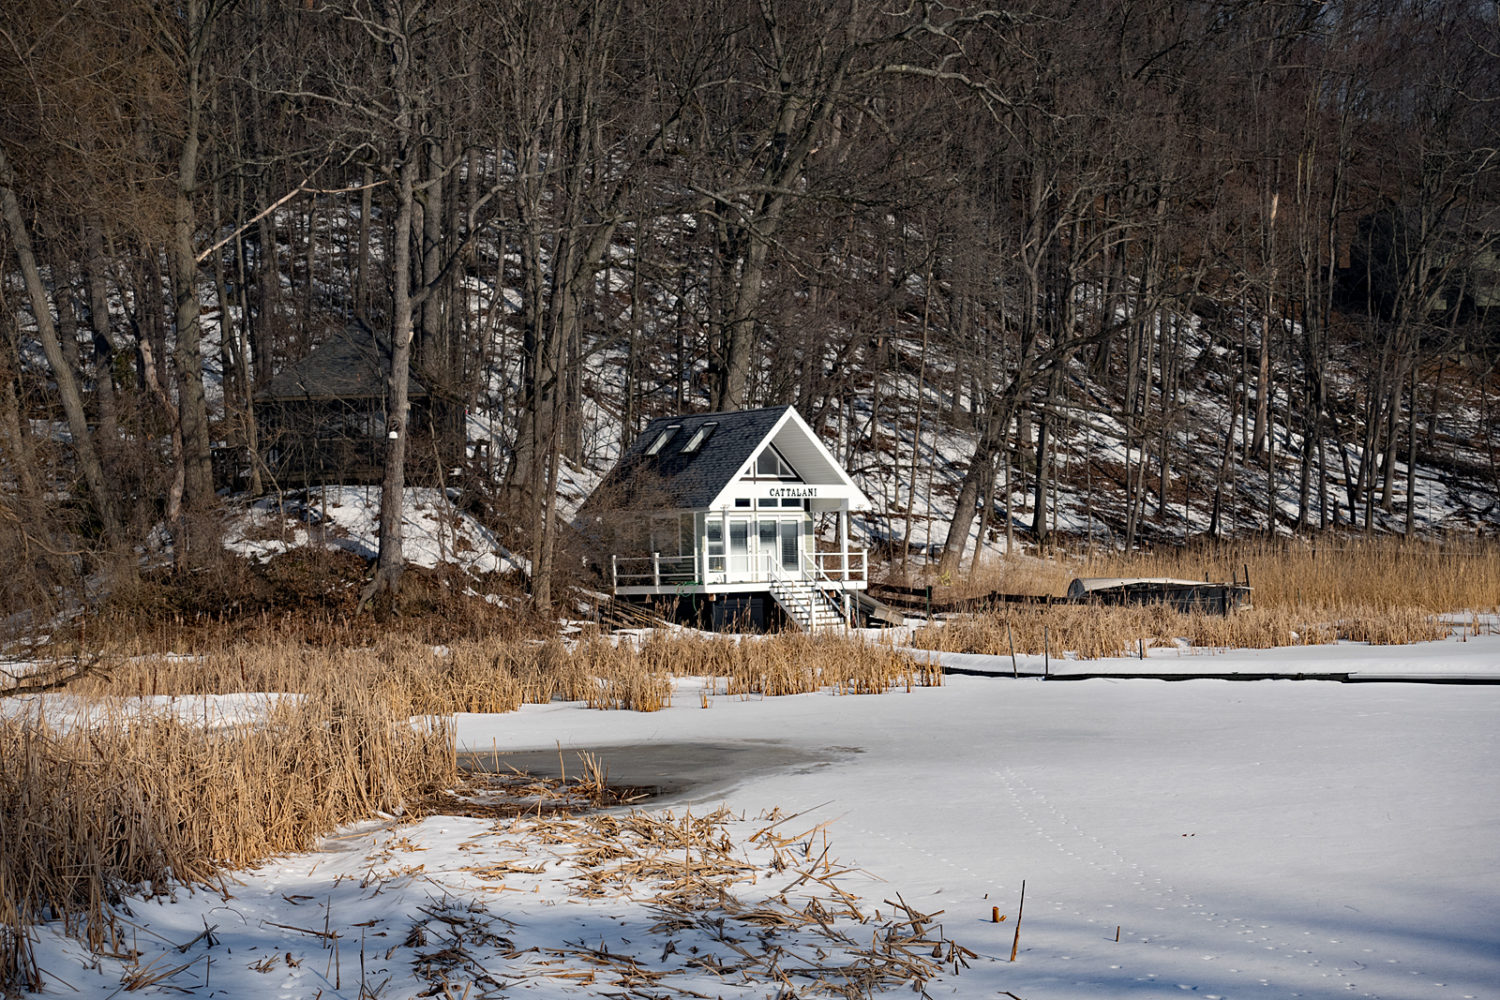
(656, 569)
(844, 543)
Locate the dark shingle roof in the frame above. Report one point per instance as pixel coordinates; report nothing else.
(671, 480)
(352, 364)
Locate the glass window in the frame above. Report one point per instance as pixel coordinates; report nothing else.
(739, 537)
(788, 502)
(662, 439)
(766, 550)
(742, 501)
(770, 465)
(791, 545)
(714, 532)
(699, 436)
(672, 534)
(765, 502)
(664, 535)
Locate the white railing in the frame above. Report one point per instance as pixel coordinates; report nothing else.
(827, 585)
(654, 570)
(803, 595)
(832, 570)
(848, 566)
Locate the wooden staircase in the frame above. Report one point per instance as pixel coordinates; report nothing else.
(809, 606)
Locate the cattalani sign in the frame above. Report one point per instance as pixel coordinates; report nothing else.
(793, 492)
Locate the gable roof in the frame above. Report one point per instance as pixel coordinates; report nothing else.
(676, 480)
(354, 363)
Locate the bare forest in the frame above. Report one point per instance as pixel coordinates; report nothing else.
(1199, 268)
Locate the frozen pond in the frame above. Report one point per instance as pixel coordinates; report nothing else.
(1249, 839)
(670, 772)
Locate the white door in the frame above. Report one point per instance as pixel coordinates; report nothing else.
(766, 546)
(791, 546)
(740, 556)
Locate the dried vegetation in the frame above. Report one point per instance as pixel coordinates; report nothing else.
(1092, 632)
(1383, 592)
(1333, 573)
(756, 908)
(179, 799)
(132, 798)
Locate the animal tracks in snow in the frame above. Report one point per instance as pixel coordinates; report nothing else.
(1175, 934)
(1163, 915)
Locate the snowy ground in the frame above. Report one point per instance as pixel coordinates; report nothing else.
(348, 517)
(1248, 839)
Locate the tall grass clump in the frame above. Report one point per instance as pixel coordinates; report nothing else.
(139, 800)
(800, 663)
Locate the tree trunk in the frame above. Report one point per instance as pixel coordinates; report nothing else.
(191, 403)
(966, 507)
(67, 382)
(732, 392)
(104, 345)
(1411, 452)
(1039, 498)
(362, 263)
(384, 589)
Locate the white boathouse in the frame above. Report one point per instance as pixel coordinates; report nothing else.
(718, 513)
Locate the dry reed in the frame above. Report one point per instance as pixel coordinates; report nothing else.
(1331, 573)
(144, 801)
(1376, 590)
(1091, 632)
(500, 674)
(757, 904)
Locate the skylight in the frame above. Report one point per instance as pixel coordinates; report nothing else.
(699, 436)
(662, 439)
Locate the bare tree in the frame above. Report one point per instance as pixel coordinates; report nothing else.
(62, 372)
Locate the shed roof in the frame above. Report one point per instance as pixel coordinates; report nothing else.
(353, 363)
(674, 479)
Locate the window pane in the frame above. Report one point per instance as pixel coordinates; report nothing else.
(713, 530)
(699, 436)
(663, 438)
